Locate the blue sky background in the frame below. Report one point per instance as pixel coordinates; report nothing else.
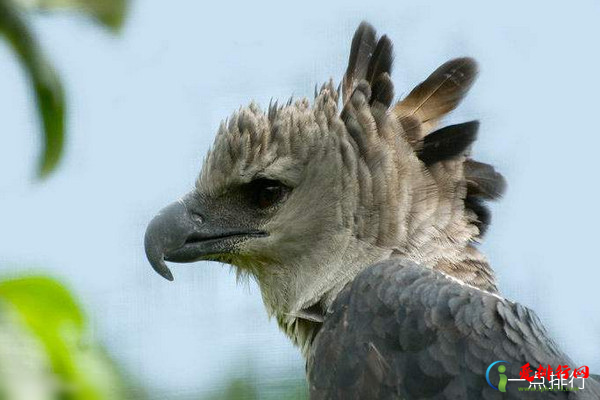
(143, 110)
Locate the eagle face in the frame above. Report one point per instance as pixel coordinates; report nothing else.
(274, 199)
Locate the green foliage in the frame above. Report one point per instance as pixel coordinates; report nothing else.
(45, 343)
(287, 386)
(47, 313)
(48, 90)
(46, 84)
(110, 13)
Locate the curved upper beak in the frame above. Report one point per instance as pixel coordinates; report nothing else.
(167, 231)
(182, 232)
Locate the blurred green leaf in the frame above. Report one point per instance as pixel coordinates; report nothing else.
(288, 385)
(50, 312)
(46, 84)
(110, 13)
(47, 87)
(239, 389)
(52, 316)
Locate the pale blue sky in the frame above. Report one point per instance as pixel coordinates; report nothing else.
(144, 107)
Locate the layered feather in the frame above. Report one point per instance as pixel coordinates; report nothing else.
(419, 113)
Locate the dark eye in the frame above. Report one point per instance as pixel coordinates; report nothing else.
(268, 192)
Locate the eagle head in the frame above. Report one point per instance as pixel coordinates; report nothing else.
(302, 197)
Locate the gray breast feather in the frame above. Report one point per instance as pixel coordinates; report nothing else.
(401, 331)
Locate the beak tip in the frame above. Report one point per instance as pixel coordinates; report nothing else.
(158, 264)
(164, 271)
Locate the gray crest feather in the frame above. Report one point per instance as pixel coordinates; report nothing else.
(483, 180)
(370, 60)
(363, 45)
(483, 184)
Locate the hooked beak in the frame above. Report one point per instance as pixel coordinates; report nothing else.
(183, 233)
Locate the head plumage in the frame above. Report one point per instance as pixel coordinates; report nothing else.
(420, 112)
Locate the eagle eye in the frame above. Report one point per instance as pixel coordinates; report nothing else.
(268, 192)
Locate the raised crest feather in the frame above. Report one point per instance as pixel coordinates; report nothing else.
(483, 180)
(371, 61)
(448, 142)
(363, 46)
(435, 97)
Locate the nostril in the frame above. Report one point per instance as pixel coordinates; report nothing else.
(196, 217)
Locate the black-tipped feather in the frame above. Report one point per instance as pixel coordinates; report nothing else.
(381, 60)
(448, 142)
(382, 90)
(363, 46)
(484, 216)
(483, 181)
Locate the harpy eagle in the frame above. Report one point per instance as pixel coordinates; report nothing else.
(360, 223)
